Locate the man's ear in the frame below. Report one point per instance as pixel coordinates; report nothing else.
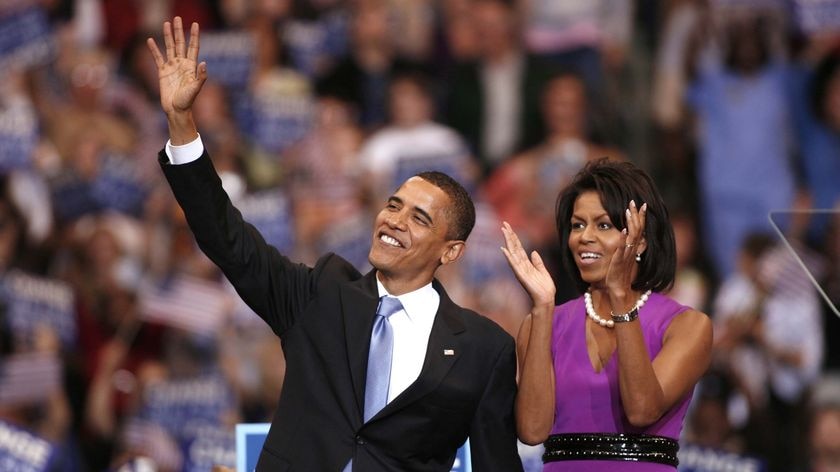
(454, 251)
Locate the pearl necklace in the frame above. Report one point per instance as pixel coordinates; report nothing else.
(591, 313)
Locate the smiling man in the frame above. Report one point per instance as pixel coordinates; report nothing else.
(384, 372)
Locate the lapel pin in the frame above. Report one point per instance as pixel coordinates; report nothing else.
(448, 352)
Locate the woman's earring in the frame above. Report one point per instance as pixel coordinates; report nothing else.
(638, 257)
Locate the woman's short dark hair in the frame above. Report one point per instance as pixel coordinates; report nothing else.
(617, 183)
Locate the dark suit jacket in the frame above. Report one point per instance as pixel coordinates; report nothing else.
(324, 317)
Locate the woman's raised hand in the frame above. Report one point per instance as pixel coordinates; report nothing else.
(181, 77)
(530, 272)
(622, 270)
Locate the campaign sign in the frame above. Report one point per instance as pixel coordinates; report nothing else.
(249, 442)
(22, 451)
(117, 186)
(695, 458)
(270, 213)
(71, 197)
(251, 436)
(25, 38)
(350, 239)
(817, 16)
(282, 110)
(230, 57)
(33, 301)
(185, 407)
(313, 44)
(18, 135)
(210, 447)
(462, 459)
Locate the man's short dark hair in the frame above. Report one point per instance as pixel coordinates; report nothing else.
(461, 211)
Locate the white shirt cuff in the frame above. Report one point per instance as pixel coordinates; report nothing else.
(185, 153)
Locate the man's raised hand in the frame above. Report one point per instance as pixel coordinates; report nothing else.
(180, 76)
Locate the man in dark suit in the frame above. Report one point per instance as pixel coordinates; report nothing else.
(449, 373)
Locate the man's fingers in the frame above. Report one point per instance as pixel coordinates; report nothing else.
(202, 72)
(168, 42)
(180, 43)
(153, 48)
(192, 52)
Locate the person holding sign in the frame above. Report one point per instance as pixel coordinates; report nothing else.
(606, 378)
(384, 372)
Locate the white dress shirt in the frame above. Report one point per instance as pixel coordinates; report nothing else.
(412, 325)
(185, 153)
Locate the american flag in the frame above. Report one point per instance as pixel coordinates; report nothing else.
(189, 303)
(28, 378)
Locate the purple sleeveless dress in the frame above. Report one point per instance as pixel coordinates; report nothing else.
(589, 402)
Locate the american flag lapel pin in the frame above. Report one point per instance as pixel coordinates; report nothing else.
(448, 352)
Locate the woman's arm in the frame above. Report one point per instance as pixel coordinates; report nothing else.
(535, 398)
(650, 388)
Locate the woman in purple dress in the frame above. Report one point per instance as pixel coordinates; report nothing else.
(605, 379)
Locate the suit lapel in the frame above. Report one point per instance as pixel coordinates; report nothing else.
(441, 354)
(358, 305)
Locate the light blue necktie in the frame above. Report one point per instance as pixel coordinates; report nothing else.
(379, 360)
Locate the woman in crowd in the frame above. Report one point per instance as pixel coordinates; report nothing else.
(606, 378)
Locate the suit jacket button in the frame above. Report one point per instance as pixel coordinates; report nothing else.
(359, 440)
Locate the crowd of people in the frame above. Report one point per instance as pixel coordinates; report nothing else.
(120, 340)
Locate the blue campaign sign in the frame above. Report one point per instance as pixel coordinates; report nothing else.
(462, 459)
(350, 239)
(251, 436)
(816, 16)
(18, 135)
(695, 458)
(270, 213)
(25, 38)
(249, 442)
(33, 301)
(22, 451)
(281, 110)
(117, 186)
(230, 57)
(186, 407)
(211, 447)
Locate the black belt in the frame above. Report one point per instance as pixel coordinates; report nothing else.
(608, 446)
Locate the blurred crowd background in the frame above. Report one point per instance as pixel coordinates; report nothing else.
(121, 347)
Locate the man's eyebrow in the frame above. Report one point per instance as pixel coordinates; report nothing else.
(424, 213)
